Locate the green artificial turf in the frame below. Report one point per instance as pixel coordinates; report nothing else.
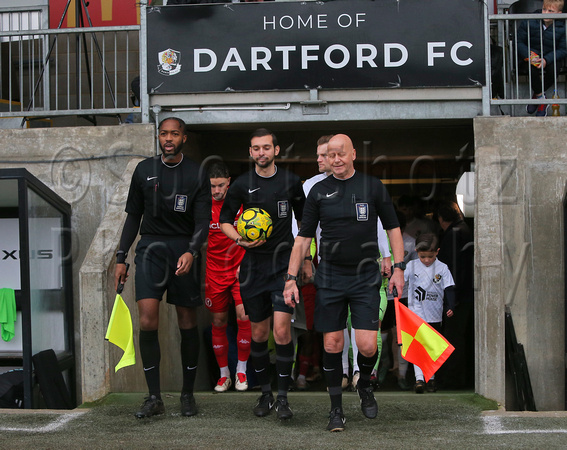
(225, 421)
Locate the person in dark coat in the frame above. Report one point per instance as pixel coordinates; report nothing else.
(541, 42)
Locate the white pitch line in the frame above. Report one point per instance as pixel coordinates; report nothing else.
(493, 426)
(53, 426)
(560, 431)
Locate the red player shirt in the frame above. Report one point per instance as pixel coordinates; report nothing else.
(223, 255)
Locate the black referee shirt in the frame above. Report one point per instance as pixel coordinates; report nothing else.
(348, 211)
(277, 195)
(171, 199)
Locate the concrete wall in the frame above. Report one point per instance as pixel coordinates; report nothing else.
(521, 167)
(85, 166)
(91, 168)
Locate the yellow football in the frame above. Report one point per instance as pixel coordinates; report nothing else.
(254, 224)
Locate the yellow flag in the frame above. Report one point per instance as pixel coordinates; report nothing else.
(120, 332)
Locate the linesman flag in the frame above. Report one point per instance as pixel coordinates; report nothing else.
(421, 344)
(120, 332)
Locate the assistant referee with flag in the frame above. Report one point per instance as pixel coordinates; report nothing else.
(347, 205)
(171, 197)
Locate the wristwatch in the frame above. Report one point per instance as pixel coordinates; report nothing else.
(288, 277)
(400, 265)
(194, 253)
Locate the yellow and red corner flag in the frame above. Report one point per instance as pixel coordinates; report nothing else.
(120, 331)
(421, 344)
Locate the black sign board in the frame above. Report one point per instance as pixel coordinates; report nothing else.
(305, 45)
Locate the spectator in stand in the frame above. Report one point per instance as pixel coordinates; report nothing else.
(541, 43)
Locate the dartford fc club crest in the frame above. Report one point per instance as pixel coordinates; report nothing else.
(169, 62)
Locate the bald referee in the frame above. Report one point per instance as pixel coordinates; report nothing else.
(171, 197)
(347, 205)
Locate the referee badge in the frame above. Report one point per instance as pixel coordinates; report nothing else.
(362, 212)
(180, 203)
(283, 208)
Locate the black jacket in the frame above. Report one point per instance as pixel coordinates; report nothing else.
(541, 41)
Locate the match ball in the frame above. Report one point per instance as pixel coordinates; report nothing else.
(254, 224)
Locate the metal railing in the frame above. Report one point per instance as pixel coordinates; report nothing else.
(88, 71)
(72, 71)
(510, 76)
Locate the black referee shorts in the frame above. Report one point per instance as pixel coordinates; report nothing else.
(339, 287)
(156, 263)
(262, 284)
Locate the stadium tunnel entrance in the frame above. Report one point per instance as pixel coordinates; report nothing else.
(418, 158)
(421, 159)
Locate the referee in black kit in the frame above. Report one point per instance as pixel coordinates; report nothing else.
(262, 271)
(347, 206)
(171, 197)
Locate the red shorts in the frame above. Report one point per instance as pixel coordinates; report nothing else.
(308, 293)
(220, 292)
